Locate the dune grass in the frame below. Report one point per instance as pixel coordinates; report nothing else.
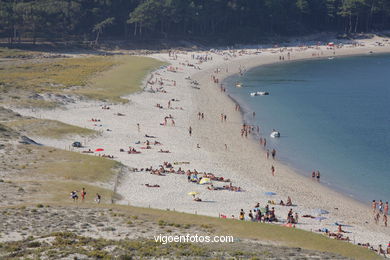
(47, 128)
(122, 79)
(53, 74)
(14, 53)
(97, 77)
(264, 232)
(62, 165)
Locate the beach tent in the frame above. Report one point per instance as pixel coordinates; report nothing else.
(319, 218)
(77, 144)
(321, 211)
(205, 181)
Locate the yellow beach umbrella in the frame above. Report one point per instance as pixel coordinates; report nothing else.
(193, 193)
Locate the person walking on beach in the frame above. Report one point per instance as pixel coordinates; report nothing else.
(318, 176)
(273, 170)
(376, 218)
(267, 154)
(139, 129)
(385, 220)
(190, 130)
(273, 153)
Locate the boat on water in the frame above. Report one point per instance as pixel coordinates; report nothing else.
(239, 85)
(259, 93)
(275, 134)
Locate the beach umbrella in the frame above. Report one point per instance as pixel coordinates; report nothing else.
(319, 218)
(269, 193)
(321, 211)
(99, 150)
(205, 181)
(193, 193)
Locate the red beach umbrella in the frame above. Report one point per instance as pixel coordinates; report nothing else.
(99, 150)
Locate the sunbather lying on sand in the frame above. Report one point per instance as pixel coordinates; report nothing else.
(152, 186)
(164, 151)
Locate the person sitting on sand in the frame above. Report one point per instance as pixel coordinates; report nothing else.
(152, 186)
(281, 203)
(197, 199)
(289, 203)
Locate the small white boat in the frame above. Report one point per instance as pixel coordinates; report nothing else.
(275, 134)
(239, 85)
(259, 93)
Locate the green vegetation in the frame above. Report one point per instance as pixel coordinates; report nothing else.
(72, 166)
(97, 77)
(53, 75)
(14, 53)
(259, 231)
(66, 243)
(238, 21)
(47, 128)
(48, 174)
(122, 79)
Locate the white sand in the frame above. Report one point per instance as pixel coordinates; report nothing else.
(247, 167)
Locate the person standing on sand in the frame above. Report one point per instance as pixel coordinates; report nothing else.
(318, 175)
(265, 142)
(374, 204)
(190, 130)
(83, 193)
(380, 206)
(254, 114)
(242, 215)
(267, 154)
(385, 220)
(386, 210)
(273, 170)
(139, 129)
(273, 153)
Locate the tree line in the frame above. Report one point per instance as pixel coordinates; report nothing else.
(151, 19)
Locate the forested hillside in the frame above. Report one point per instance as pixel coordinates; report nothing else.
(146, 19)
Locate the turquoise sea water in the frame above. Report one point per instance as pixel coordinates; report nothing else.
(333, 115)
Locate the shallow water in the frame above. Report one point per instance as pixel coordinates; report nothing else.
(334, 116)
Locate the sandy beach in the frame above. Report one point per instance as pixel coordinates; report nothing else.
(243, 162)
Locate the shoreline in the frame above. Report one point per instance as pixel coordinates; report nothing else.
(287, 161)
(243, 162)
